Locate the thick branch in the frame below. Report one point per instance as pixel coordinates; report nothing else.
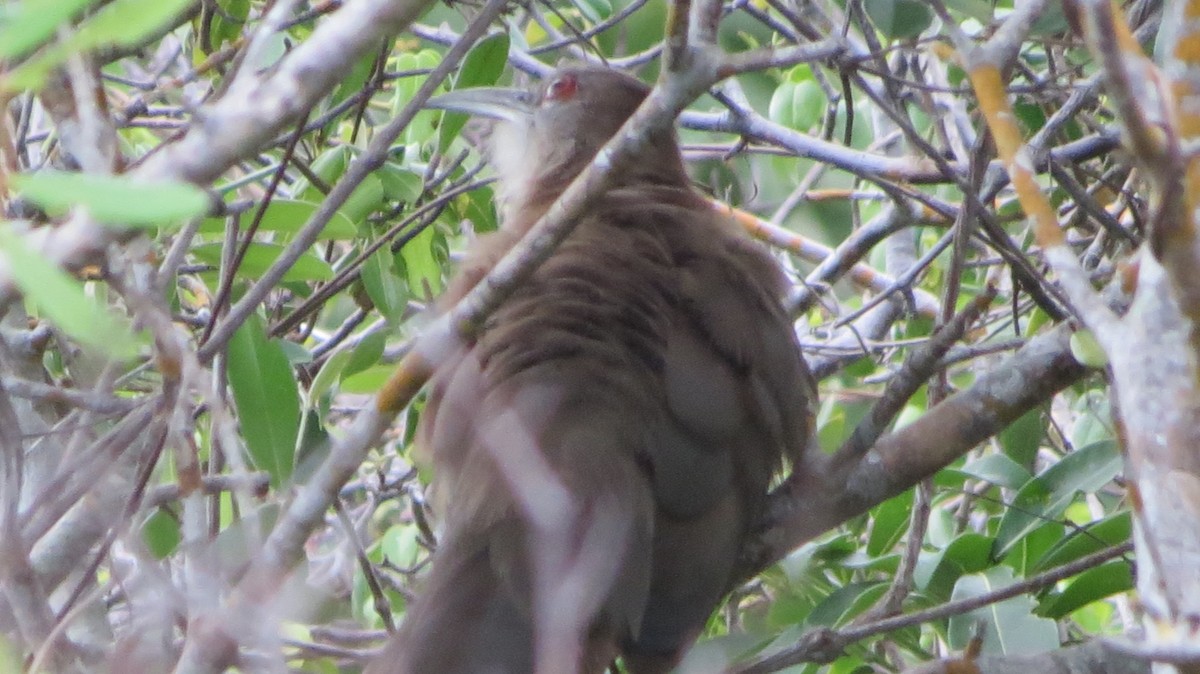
(831, 490)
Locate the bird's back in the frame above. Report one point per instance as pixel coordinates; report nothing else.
(637, 392)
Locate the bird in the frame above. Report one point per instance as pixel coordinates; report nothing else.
(603, 445)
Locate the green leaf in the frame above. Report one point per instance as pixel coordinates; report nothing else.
(421, 267)
(266, 398)
(423, 124)
(479, 207)
(1033, 546)
(364, 200)
(937, 572)
(1046, 496)
(353, 82)
(229, 29)
(113, 200)
(481, 67)
(400, 184)
(328, 375)
(845, 603)
(1092, 585)
(26, 25)
(260, 257)
(980, 10)
(595, 10)
(366, 353)
(368, 381)
(383, 285)
(997, 469)
(889, 521)
(1087, 350)
(1037, 318)
(61, 298)
(1022, 438)
(1052, 20)
(399, 545)
(899, 19)
(1094, 420)
(1094, 537)
(328, 166)
(161, 533)
(1010, 626)
(780, 109)
(126, 23)
(288, 216)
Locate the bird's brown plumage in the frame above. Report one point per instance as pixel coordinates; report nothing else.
(603, 445)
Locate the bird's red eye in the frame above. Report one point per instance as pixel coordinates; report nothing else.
(563, 88)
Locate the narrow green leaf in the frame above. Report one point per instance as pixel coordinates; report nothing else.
(595, 10)
(889, 521)
(846, 602)
(113, 200)
(266, 397)
(353, 82)
(899, 19)
(421, 267)
(1033, 546)
(364, 200)
(1046, 496)
(260, 257)
(1094, 537)
(399, 545)
(383, 285)
(980, 10)
(998, 469)
(1087, 350)
(400, 184)
(367, 381)
(1022, 438)
(481, 67)
(937, 572)
(328, 166)
(126, 23)
(26, 25)
(366, 353)
(423, 125)
(227, 23)
(161, 534)
(61, 298)
(1092, 585)
(1052, 20)
(329, 374)
(288, 216)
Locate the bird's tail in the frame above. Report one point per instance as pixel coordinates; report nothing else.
(466, 621)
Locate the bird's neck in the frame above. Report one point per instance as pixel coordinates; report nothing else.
(532, 177)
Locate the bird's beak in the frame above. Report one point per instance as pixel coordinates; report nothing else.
(513, 105)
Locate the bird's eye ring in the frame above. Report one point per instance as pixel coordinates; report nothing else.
(562, 88)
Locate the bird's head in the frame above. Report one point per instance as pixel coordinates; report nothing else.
(545, 136)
